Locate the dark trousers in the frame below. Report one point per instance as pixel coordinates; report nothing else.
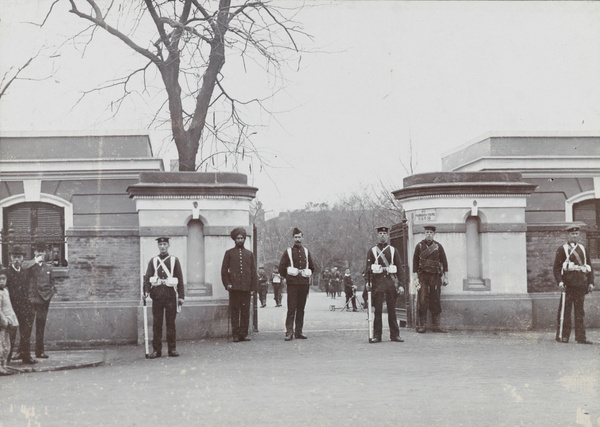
(429, 295)
(296, 301)
(389, 295)
(12, 336)
(25, 316)
(262, 294)
(349, 294)
(277, 292)
(574, 299)
(239, 307)
(40, 311)
(167, 309)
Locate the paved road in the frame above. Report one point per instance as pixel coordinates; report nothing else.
(334, 378)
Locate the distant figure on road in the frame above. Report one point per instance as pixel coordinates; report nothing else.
(240, 278)
(163, 281)
(349, 289)
(18, 287)
(296, 266)
(277, 288)
(430, 271)
(383, 275)
(263, 286)
(41, 290)
(575, 277)
(8, 324)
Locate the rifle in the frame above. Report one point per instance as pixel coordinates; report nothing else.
(145, 309)
(563, 297)
(369, 314)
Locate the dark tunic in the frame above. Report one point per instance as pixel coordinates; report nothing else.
(384, 288)
(576, 287)
(239, 270)
(430, 276)
(297, 287)
(164, 300)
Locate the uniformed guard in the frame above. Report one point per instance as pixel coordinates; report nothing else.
(575, 277)
(239, 276)
(383, 276)
(163, 281)
(430, 271)
(296, 266)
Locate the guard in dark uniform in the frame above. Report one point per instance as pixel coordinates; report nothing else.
(383, 275)
(430, 271)
(163, 281)
(296, 266)
(238, 274)
(575, 277)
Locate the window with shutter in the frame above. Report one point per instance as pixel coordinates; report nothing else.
(27, 223)
(588, 212)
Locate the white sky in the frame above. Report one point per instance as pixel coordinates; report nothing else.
(382, 73)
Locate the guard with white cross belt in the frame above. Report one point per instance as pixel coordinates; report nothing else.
(163, 282)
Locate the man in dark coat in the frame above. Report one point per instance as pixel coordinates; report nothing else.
(263, 286)
(163, 281)
(430, 271)
(383, 275)
(18, 288)
(575, 277)
(41, 290)
(296, 266)
(239, 276)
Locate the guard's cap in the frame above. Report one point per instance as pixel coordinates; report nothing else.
(237, 231)
(17, 250)
(572, 227)
(39, 246)
(430, 227)
(162, 239)
(383, 228)
(296, 231)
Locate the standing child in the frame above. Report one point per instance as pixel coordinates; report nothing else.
(8, 324)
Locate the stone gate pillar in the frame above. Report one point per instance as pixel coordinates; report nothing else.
(197, 211)
(480, 220)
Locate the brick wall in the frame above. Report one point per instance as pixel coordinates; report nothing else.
(542, 243)
(101, 268)
(541, 249)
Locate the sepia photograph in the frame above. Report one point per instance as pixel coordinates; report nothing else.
(299, 213)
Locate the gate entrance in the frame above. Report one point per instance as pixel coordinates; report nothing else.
(399, 240)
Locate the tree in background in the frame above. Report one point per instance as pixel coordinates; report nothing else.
(337, 236)
(188, 41)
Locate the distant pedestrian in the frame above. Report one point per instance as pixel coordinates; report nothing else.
(8, 324)
(383, 276)
(163, 282)
(239, 276)
(575, 277)
(325, 278)
(18, 287)
(430, 271)
(41, 291)
(296, 266)
(277, 288)
(337, 282)
(349, 290)
(263, 286)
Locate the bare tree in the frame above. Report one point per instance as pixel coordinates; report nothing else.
(189, 44)
(16, 73)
